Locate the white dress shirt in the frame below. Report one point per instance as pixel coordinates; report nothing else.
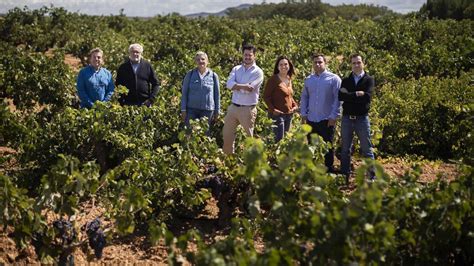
(241, 75)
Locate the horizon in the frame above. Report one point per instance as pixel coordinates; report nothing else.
(146, 8)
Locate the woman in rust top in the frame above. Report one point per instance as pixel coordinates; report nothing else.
(278, 96)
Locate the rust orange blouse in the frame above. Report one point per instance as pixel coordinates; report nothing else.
(278, 95)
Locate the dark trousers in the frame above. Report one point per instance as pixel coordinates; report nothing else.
(192, 114)
(327, 133)
(281, 125)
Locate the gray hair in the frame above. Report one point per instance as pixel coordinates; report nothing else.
(95, 50)
(201, 53)
(137, 46)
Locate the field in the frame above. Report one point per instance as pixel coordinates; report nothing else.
(166, 196)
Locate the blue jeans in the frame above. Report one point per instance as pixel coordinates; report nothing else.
(281, 125)
(361, 126)
(192, 114)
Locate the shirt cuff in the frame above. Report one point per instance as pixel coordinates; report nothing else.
(231, 84)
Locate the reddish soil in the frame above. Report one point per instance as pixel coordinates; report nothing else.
(69, 59)
(137, 249)
(11, 106)
(430, 170)
(6, 150)
(9, 164)
(73, 62)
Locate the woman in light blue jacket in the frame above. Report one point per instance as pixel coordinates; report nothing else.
(200, 92)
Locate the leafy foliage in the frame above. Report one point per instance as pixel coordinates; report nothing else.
(308, 220)
(429, 116)
(36, 80)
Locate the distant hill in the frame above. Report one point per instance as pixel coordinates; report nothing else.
(222, 13)
(309, 10)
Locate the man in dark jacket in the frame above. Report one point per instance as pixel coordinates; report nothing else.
(356, 91)
(138, 76)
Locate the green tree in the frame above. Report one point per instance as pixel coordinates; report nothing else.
(444, 9)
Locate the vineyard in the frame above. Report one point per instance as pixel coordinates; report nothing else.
(174, 194)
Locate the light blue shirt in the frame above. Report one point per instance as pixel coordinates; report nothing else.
(241, 75)
(135, 67)
(319, 99)
(94, 86)
(358, 77)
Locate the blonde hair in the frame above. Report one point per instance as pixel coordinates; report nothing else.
(95, 50)
(201, 53)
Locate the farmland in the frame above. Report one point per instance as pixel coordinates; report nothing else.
(153, 185)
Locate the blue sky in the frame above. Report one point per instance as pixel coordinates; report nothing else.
(148, 8)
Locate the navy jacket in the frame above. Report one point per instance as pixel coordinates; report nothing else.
(356, 105)
(141, 86)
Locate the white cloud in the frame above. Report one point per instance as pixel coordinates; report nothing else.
(154, 7)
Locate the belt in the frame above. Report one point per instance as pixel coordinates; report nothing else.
(241, 105)
(354, 117)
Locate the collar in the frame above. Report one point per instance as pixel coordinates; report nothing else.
(93, 69)
(359, 76)
(252, 66)
(322, 73)
(205, 72)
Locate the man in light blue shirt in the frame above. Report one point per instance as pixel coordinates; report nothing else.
(320, 106)
(244, 81)
(94, 83)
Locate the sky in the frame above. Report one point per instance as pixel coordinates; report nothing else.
(149, 8)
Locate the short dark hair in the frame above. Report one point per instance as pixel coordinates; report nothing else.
(316, 54)
(291, 71)
(354, 55)
(249, 46)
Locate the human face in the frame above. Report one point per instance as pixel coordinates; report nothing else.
(135, 55)
(201, 62)
(249, 57)
(319, 65)
(283, 67)
(357, 65)
(96, 60)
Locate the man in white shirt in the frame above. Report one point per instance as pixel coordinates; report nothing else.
(245, 81)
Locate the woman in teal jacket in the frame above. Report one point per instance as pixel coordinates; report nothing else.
(200, 92)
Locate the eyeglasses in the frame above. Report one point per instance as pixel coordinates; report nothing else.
(319, 62)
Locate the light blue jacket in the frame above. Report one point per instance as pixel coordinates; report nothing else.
(200, 94)
(94, 86)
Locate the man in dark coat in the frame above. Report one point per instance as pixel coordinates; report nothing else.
(356, 92)
(139, 77)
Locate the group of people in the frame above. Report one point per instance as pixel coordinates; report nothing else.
(95, 83)
(321, 99)
(320, 102)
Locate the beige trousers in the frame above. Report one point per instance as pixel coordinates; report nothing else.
(243, 115)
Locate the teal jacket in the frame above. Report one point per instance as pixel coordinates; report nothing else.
(200, 94)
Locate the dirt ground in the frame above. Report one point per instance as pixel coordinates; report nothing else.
(137, 250)
(73, 62)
